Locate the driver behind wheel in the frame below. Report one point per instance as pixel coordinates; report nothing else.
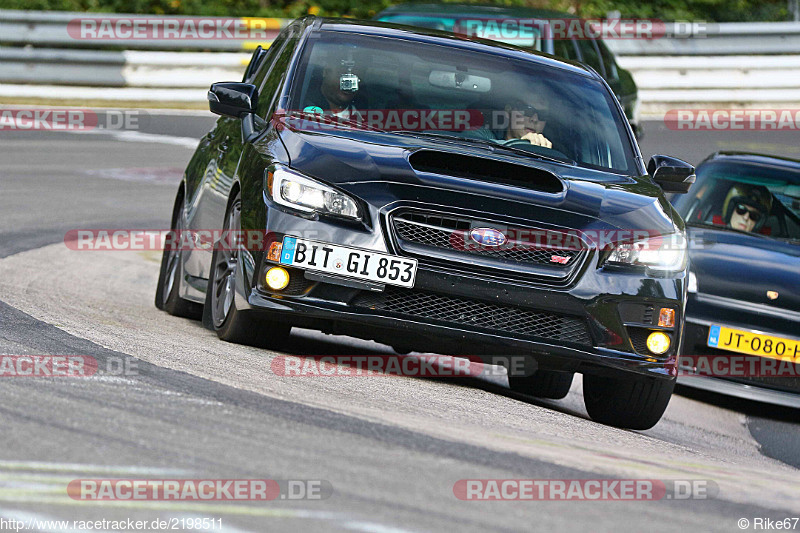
(338, 88)
(746, 207)
(526, 122)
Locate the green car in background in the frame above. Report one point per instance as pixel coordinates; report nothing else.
(467, 20)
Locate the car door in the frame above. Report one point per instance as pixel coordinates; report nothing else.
(257, 156)
(202, 186)
(222, 149)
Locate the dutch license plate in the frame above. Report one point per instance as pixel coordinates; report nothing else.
(737, 340)
(349, 262)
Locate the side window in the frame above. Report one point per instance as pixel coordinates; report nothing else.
(273, 78)
(608, 61)
(271, 53)
(255, 61)
(590, 55)
(565, 48)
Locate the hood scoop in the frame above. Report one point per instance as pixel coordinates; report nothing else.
(487, 170)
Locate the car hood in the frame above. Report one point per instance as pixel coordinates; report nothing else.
(376, 167)
(745, 267)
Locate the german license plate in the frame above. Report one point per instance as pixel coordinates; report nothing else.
(349, 262)
(737, 340)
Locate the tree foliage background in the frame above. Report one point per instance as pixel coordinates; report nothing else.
(707, 10)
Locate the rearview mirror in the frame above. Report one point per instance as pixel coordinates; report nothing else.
(459, 80)
(233, 99)
(671, 173)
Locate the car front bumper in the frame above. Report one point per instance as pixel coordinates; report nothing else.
(594, 320)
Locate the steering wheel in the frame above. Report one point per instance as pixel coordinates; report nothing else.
(517, 142)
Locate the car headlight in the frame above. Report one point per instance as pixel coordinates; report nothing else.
(664, 253)
(292, 189)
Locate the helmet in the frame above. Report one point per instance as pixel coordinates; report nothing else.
(756, 196)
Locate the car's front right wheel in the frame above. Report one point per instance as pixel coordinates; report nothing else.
(635, 402)
(543, 384)
(220, 312)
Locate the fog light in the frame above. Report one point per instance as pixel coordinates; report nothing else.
(666, 318)
(658, 342)
(278, 278)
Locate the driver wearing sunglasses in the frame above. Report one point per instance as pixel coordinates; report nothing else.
(526, 122)
(746, 207)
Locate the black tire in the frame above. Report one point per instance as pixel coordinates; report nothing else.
(633, 402)
(220, 312)
(543, 384)
(171, 273)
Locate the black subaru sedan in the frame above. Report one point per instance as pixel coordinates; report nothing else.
(742, 334)
(441, 195)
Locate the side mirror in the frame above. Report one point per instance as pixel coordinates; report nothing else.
(671, 173)
(233, 99)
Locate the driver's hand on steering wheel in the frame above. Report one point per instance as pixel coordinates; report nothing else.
(538, 139)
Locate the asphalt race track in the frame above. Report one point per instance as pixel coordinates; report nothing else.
(187, 405)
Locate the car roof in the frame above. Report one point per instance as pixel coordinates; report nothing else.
(472, 9)
(431, 36)
(753, 158)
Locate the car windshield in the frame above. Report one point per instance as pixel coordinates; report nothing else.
(748, 198)
(414, 88)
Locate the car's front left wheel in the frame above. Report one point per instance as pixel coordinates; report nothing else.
(635, 402)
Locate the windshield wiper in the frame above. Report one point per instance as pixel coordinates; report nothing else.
(488, 144)
(333, 119)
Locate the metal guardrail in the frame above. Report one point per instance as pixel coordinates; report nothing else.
(58, 30)
(716, 39)
(694, 64)
(50, 29)
(102, 68)
(730, 72)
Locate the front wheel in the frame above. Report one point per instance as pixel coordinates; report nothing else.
(230, 323)
(635, 402)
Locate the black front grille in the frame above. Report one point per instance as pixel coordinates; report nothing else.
(639, 340)
(452, 234)
(477, 314)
